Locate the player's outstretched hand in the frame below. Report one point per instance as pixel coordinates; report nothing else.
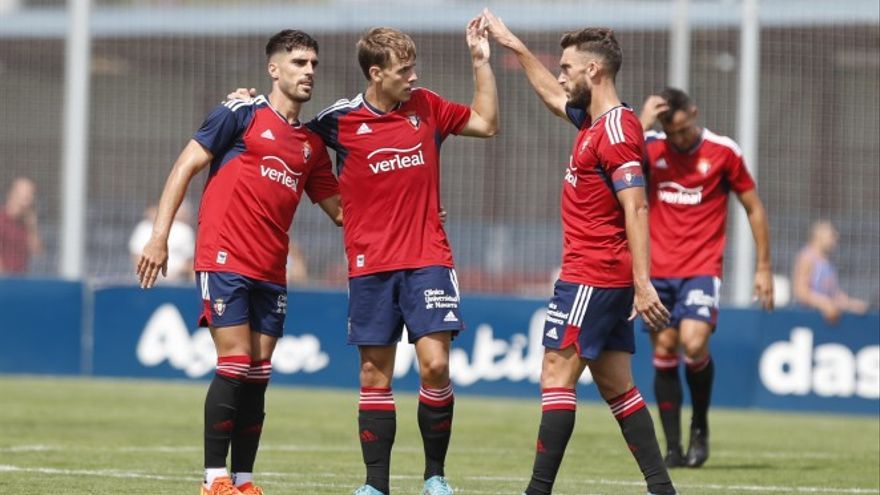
(653, 107)
(242, 94)
(154, 260)
(764, 288)
(478, 39)
(498, 30)
(647, 303)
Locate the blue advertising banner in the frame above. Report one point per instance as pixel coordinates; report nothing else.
(41, 326)
(788, 359)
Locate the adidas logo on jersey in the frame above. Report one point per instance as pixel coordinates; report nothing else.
(552, 334)
(267, 134)
(364, 129)
(450, 316)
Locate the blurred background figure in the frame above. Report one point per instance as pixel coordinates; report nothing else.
(815, 277)
(297, 267)
(181, 242)
(19, 237)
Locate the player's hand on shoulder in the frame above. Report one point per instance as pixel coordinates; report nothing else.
(651, 109)
(153, 260)
(647, 303)
(243, 94)
(478, 39)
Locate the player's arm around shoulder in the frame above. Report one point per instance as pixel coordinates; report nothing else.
(542, 81)
(483, 121)
(332, 206)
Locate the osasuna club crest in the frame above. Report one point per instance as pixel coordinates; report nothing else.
(307, 151)
(704, 166)
(414, 120)
(219, 306)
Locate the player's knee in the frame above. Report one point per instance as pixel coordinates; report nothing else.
(434, 369)
(695, 350)
(612, 385)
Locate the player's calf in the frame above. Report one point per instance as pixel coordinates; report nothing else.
(377, 426)
(667, 390)
(221, 405)
(558, 410)
(249, 426)
(635, 423)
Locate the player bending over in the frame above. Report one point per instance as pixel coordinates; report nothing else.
(691, 171)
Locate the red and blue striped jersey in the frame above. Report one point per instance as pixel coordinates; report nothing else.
(261, 167)
(388, 165)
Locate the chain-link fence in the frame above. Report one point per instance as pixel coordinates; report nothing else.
(819, 121)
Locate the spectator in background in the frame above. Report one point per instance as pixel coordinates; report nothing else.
(815, 278)
(181, 242)
(297, 267)
(19, 237)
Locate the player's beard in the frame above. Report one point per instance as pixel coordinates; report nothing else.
(301, 97)
(580, 96)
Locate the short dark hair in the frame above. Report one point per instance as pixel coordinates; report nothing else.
(677, 100)
(378, 44)
(288, 40)
(600, 41)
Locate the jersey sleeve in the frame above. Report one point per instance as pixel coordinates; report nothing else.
(451, 117)
(737, 175)
(577, 116)
(321, 183)
(222, 127)
(326, 125)
(622, 151)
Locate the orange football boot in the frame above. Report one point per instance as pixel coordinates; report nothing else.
(221, 486)
(250, 489)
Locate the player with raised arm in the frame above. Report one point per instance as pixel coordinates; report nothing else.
(262, 160)
(691, 171)
(387, 142)
(605, 262)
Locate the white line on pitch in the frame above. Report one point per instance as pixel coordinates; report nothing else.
(729, 454)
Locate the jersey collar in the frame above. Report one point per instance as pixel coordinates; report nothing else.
(593, 122)
(295, 125)
(375, 110)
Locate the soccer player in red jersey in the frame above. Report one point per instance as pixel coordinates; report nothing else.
(262, 160)
(387, 142)
(691, 171)
(605, 263)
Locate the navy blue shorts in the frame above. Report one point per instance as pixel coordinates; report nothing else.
(694, 298)
(592, 319)
(426, 300)
(232, 299)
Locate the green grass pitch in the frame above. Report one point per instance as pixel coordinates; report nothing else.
(78, 437)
